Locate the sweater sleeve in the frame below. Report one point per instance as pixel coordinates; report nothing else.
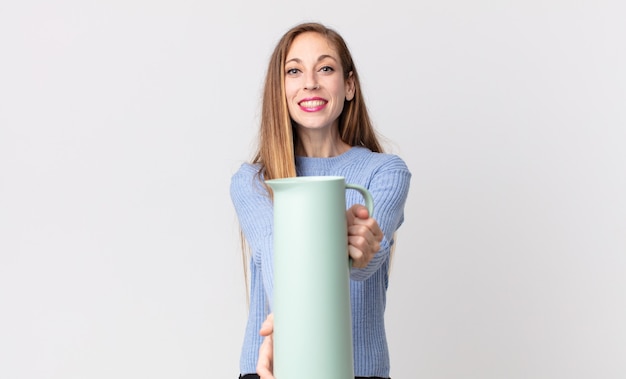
(389, 186)
(255, 215)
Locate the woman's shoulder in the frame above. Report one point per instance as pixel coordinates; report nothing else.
(247, 170)
(247, 177)
(384, 161)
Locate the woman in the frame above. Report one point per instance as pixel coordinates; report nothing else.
(315, 122)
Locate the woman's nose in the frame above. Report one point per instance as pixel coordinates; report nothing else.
(311, 82)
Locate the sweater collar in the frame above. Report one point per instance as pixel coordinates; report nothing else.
(308, 164)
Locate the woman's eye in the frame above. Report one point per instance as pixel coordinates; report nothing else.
(327, 69)
(292, 71)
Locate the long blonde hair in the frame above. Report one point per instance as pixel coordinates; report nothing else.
(277, 138)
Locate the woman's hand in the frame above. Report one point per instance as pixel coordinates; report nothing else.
(265, 364)
(364, 236)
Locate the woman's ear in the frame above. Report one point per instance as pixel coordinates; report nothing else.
(350, 87)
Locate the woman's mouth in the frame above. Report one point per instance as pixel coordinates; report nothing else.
(312, 105)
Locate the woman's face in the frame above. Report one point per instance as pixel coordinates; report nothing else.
(314, 82)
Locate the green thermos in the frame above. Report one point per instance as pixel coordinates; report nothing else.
(312, 321)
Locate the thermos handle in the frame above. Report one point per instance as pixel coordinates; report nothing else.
(369, 202)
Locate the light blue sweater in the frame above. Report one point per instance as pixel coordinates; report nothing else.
(387, 177)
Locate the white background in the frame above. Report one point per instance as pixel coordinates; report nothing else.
(121, 123)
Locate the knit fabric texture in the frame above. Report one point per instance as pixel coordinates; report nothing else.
(387, 178)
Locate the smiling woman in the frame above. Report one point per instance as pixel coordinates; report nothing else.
(316, 87)
(314, 122)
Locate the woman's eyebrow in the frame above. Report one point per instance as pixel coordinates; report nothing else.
(320, 58)
(297, 60)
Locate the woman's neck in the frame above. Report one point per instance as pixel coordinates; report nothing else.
(317, 144)
(321, 150)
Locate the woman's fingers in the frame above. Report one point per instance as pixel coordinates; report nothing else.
(364, 236)
(267, 328)
(357, 211)
(265, 365)
(266, 358)
(362, 252)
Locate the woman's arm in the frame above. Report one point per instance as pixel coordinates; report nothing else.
(389, 188)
